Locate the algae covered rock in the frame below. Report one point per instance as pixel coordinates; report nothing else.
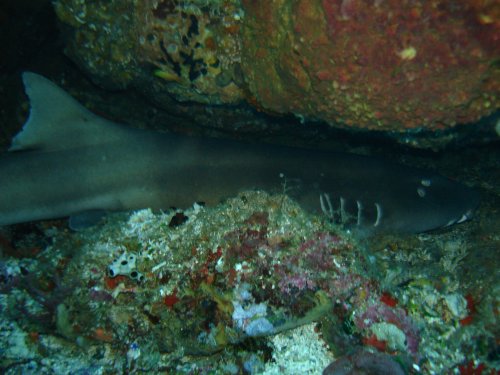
(388, 65)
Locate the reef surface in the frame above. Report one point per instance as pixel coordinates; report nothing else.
(253, 285)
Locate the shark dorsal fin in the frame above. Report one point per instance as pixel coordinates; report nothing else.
(57, 121)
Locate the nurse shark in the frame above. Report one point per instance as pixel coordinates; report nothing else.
(67, 161)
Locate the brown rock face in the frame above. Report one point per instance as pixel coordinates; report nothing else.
(386, 65)
(389, 65)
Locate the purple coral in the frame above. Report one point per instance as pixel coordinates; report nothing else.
(311, 265)
(290, 283)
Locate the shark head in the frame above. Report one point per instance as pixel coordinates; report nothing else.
(427, 201)
(446, 202)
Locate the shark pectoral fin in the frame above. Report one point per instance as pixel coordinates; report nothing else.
(85, 219)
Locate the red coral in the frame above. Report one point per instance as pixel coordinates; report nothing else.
(171, 299)
(471, 308)
(470, 369)
(113, 282)
(374, 342)
(388, 299)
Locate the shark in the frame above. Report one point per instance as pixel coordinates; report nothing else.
(67, 161)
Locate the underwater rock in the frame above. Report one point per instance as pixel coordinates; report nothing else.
(388, 66)
(189, 49)
(364, 362)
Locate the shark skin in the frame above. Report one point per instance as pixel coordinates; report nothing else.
(67, 160)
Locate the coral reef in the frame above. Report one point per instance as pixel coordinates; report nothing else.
(388, 65)
(227, 288)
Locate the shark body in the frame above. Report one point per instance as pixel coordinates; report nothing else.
(67, 160)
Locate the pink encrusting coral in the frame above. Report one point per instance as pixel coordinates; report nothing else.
(379, 313)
